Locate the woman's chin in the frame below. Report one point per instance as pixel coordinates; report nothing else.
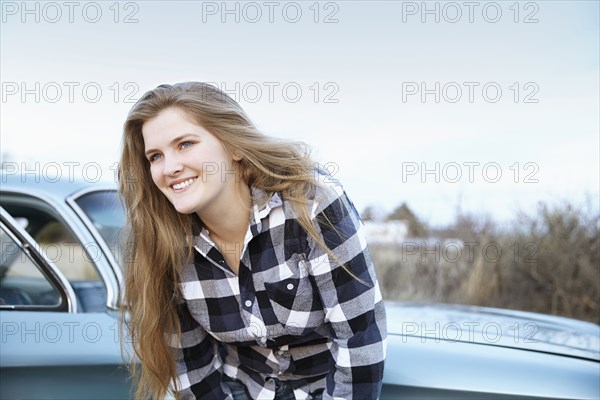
(183, 209)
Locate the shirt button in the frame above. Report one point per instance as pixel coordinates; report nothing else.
(248, 303)
(290, 286)
(280, 352)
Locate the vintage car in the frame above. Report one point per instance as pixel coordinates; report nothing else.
(60, 289)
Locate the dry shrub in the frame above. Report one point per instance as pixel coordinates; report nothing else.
(547, 263)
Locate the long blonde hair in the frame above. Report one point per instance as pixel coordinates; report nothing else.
(158, 249)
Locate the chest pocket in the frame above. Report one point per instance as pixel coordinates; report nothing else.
(295, 302)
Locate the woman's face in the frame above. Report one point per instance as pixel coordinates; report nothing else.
(188, 164)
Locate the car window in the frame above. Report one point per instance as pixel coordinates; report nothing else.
(106, 212)
(75, 260)
(61, 246)
(22, 284)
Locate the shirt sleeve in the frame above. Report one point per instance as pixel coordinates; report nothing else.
(199, 367)
(353, 305)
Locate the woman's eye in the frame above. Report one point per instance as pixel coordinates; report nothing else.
(153, 157)
(185, 145)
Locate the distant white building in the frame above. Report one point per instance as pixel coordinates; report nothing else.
(386, 232)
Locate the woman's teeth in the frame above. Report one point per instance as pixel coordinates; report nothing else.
(183, 184)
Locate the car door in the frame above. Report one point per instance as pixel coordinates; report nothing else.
(49, 349)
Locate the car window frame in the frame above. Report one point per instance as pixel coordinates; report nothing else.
(114, 294)
(46, 267)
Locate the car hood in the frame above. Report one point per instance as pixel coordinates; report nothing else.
(495, 327)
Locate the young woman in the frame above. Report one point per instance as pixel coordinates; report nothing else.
(250, 276)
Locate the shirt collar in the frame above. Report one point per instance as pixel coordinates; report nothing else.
(262, 204)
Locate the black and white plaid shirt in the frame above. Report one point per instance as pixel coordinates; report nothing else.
(291, 314)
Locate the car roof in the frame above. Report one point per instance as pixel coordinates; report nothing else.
(56, 188)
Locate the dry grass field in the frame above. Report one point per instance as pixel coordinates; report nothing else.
(547, 263)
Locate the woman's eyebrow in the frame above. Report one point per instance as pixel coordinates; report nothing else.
(175, 140)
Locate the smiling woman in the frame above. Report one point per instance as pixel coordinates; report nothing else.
(250, 276)
(186, 168)
(179, 153)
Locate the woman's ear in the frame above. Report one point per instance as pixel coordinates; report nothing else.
(236, 155)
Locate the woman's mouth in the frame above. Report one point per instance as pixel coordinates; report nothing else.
(182, 185)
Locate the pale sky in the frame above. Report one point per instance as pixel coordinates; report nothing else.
(517, 87)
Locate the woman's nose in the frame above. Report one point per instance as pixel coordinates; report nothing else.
(172, 165)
